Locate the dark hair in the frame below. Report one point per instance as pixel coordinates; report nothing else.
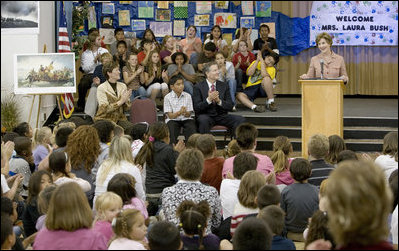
(346, 155)
(10, 136)
(318, 228)
(152, 33)
(274, 216)
(34, 186)
(206, 144)
(57, 162)
(164, 235)
(174, 56)
(210, 46)
(393, 184)
(158, 131)
(264, 25)
(174, 79)
(195, 28)
(104, 129)
(336, 145)
(138, 130)
(22, 143)
(6, 206)
(275, 57)
(252, 234)
(6, 228)
(238, 33)
(244, 162)
(117, 30)
(22, 128)
(145, 41)
(123, 185)
(61, 137)
(91, 30)
(193, 218)
(121, 42)
(268, 195)
(216, 27)
(246, 135)
(300, 169)
(109, 67)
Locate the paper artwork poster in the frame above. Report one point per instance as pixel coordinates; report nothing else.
(107, 35)
(263, 8)
(107, 22)
(247, 8)
(138, 24)
(108, 8)
(201, 20)
(163, 4)
(221, 4)
(162, 15)
(179, 27)
(365, 23)
(125, 2)
(20, 17)
(247, 22)
(161, 29)
(254, 35)
(180, 9)
(146, 9)
(228, 37)
(204, 7)
(124, 18)
(226, 20)
(91, 17)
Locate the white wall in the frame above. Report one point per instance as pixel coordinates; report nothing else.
(19, 44)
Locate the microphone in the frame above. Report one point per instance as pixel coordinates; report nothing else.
(321, 66)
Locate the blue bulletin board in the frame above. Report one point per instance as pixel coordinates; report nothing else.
(292, 43)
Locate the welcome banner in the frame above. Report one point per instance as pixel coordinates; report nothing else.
(355, 22)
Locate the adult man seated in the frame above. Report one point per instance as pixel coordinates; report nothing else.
(208, 55)
(212, 102)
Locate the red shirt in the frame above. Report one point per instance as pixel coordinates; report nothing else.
(212, 173)
(141, 56)
(243, 66)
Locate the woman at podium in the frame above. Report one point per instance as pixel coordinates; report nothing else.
(327, 64)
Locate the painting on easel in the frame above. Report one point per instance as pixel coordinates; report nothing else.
(44, 73)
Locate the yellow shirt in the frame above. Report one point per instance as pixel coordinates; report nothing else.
(256, 78)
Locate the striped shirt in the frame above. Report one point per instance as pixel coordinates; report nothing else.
(320, 171)
(172, 103)
(240, 212)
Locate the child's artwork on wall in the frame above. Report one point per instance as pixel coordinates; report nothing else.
(247, 22)
(162, 15)
(124, 18)
(20, 17)
(201, 20)
(91, 17)
(163, 4)
(263, 8)
(226, 20)
(247, 8)
(161, 29)
(179, 27)
(146, 9)
(107, 35)
(228, 37)
(44, 73)
(125, 2)
(107, 22)
(108, 8)
(181, 9)
(203, 7)
(221, 4)
(138, 24)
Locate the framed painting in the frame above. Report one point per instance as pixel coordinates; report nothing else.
(44, 73)
(20, 17)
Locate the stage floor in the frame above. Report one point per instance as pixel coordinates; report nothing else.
(353, 108)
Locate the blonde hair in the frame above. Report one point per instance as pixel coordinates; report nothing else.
(41, 136)
(281, 149)
(69, 209)
(232, 149)
(358, 200)
(326, 36)
(124, 222)
(119, 150)
(250, 184)
(390, 145)
(105, 201)
(318, 146)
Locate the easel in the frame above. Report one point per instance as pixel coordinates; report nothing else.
(40, 102)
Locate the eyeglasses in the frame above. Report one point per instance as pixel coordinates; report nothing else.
(147, 126)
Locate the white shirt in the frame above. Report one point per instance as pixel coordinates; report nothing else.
(173, 103)
(124, 167)
(88, 56)
(84, 184)
(222, 44)
(394, 226)
(4, 185)
(228, 196)
(125, 244)
(387, 163)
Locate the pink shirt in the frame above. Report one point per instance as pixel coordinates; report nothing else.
(333, 67)
(105, 228)
(81, 239)
(138, 204)
(285, 176)
(190, 47)
(265, 165)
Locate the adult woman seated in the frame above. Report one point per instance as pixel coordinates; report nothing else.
(181, 66)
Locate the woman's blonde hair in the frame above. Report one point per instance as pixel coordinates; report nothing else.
(105, 201)
(326, 36)
(250, 184)
(281, 149)
(119, 150)
(41, 136)
(69, 209)
(358, 203)
(124, 222)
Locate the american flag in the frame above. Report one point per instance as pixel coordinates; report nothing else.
(64, 46)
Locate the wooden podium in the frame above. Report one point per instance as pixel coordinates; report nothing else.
(322, 109)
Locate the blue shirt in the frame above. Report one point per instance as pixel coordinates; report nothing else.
(281, 243)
